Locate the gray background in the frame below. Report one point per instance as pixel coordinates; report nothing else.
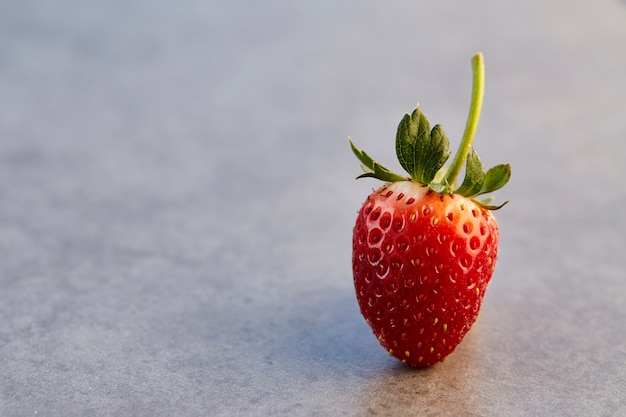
(177, 197)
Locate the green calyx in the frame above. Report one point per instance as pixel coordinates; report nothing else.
(423, 152)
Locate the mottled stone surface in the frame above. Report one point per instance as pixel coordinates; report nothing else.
(177, 199)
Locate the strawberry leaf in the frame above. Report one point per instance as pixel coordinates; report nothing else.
(474, 176)
(496, 178)
(423, 152)
(487, 206)
(373, 169)
(420, 151)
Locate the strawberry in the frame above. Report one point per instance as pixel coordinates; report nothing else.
(424, 249)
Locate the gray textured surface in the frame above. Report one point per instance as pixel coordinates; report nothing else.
(177, 198)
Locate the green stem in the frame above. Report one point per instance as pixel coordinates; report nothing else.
(478, 89)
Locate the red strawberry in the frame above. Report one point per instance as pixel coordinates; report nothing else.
(424, 249)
